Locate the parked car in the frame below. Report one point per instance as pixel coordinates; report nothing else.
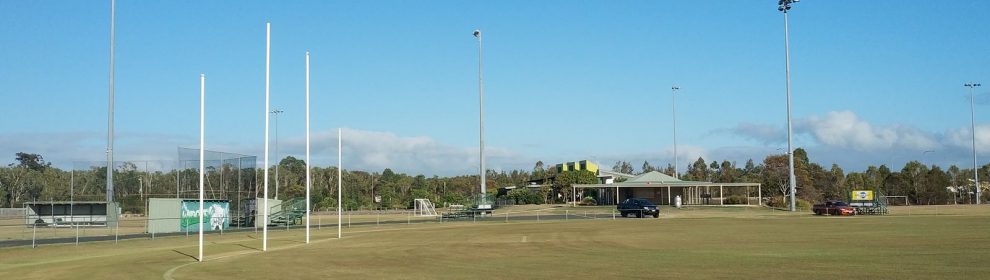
(639, 207)
(834, 207)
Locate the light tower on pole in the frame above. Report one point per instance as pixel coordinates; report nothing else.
(275, 113)
(113, 22)
(673, 106)
(972, 111)
(481, 125)
(784, 6)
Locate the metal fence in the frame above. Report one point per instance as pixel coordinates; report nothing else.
(15, 212)
(16, 231)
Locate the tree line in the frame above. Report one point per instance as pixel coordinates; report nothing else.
(917, 182)
(31, 178)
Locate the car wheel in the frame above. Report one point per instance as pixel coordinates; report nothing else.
(657, 215)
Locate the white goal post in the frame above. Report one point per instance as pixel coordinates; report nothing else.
(424, 208)
(898, 197)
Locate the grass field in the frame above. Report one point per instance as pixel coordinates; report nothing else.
(918, 242)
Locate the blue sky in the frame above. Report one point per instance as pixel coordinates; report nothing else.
(872, 82)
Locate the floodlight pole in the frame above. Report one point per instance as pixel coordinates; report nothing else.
(340, 184)
(481, 118)
(308, 175)
(202, 130)
(972, 111)
(113, 21)
(276, 112)
(268, 45)
(784, 6)
(673, 105)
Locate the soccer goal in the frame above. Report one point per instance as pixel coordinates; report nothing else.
(897, 200)
(424, 208)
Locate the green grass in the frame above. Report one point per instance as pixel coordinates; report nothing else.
(691, 243)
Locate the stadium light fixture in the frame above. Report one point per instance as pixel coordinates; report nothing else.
(784, 6)
(113, 22)
(340, 183)
(481, 118)
(972, 111)
(276, 112)
(673, 106)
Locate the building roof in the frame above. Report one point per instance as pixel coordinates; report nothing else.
(63, 202)
(653, 177)
(656, 179)
(603, 172)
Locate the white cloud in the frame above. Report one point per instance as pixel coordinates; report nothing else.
(845, 130)
(63, 149)
(767, 134)
(377, 150)
(963, 138)
(842, 137)
(363, 150)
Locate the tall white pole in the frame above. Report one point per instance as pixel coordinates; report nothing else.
(308, 175)
(481, 98)
(340, 179)
(787, 76)
(113, 22)
(673, 106)
(972, 111)
(202, 130)
(268, 45)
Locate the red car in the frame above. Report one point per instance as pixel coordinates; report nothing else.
(834, 208)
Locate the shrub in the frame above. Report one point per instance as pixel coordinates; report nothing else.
(781, 202)
(588, 201)
(735, 199)
(525, 196)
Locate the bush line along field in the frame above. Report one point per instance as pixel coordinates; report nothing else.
(918, 242)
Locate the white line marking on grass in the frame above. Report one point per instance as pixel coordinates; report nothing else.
(168, 274)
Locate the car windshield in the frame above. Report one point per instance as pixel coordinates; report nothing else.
(839, 203)
(645, 202)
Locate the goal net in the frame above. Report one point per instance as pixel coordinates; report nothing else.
(424, 208)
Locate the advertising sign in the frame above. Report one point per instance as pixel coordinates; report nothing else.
(862, 195)
(216, 215)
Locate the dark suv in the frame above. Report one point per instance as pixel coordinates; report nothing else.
(638, 207)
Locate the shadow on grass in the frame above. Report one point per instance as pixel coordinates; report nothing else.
(184, 254)
(248, 247)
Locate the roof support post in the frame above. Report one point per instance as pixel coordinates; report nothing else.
(759, 193)
(574, 196)
(721, 197)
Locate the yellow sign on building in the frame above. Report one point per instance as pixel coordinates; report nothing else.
(862, 195)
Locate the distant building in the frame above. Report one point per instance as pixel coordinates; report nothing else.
(577, 166)
(662, 189)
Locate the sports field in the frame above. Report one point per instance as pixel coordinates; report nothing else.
(918, 242)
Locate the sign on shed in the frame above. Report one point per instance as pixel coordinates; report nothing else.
(862, 195)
